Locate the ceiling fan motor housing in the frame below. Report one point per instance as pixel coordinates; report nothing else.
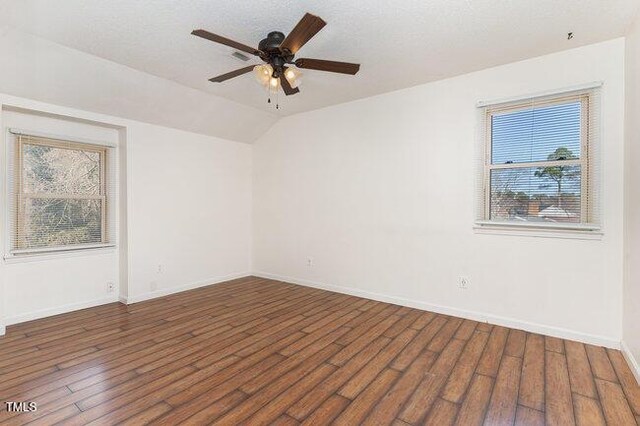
(273, 55)
(272, 42)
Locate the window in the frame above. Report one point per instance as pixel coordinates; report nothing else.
(61, 195)
(538, 166)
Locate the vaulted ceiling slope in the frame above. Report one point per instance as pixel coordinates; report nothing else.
(36, 68)
(400, 43)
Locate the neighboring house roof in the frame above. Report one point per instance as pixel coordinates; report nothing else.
(556, 212)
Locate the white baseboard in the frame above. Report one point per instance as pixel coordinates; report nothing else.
(3, 330)
(631, 360)
(462, 313)
(167, 291)
(30, 316)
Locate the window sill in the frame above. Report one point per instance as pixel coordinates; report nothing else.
(49, 254)
(577, 232)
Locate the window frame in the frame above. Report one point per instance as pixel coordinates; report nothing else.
(587, 183)
(21, 196)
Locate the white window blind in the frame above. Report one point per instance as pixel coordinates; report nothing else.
(61, 195)
(539, 162)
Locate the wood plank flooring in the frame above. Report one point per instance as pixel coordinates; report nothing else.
(255, 351)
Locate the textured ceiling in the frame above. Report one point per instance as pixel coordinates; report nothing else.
(399, 43)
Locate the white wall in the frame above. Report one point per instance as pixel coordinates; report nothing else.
(631, 322)
(188, 211)
(380, 193)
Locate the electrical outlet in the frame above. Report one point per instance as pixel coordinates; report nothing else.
(463, 283)
(309, 262)
(111, 287)
(160, 268)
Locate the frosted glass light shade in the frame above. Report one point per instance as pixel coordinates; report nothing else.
(263, 74)
(293, 76)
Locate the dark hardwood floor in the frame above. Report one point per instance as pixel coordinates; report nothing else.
(255, 351)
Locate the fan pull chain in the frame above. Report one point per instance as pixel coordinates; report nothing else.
(271, 93)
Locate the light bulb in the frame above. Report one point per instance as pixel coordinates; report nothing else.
(274, 82)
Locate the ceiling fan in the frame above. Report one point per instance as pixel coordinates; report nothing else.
(278, 51)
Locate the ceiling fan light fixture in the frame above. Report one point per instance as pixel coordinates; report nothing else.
(263, 74)
(274, 82)
(293, 76)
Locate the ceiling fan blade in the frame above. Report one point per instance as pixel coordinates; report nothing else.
(286, 87)
(330, 66)
(227, 42)
(229, 75)
(308, 26)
